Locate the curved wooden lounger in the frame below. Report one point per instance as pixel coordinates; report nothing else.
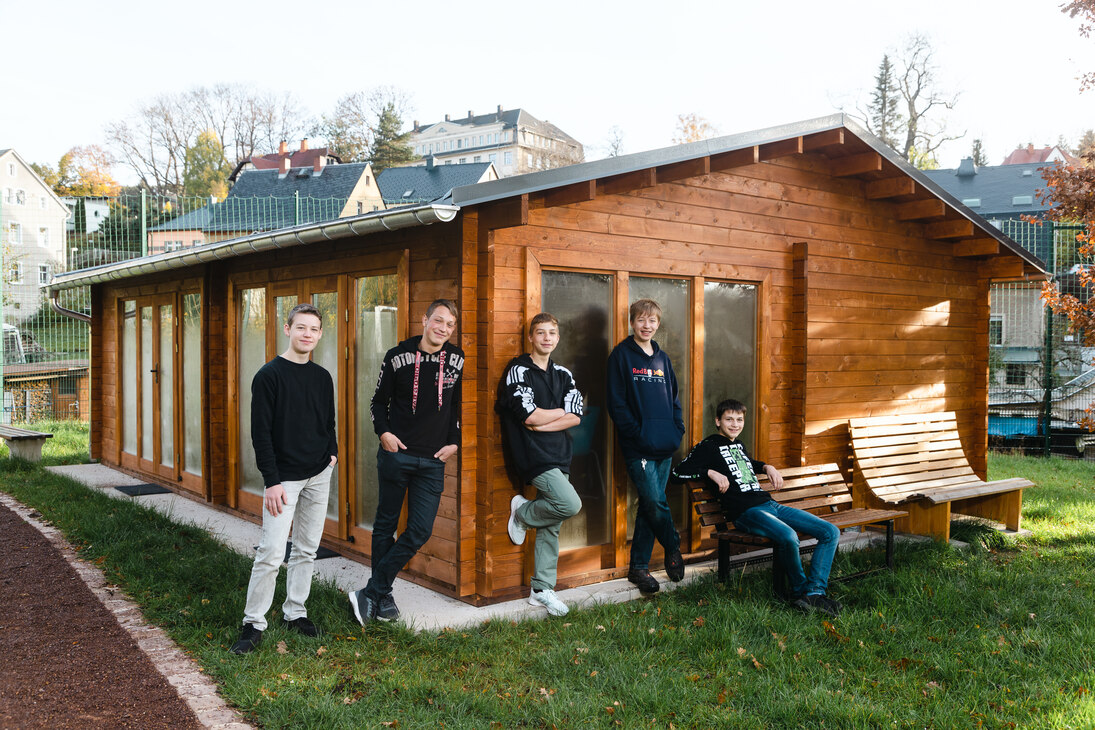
(916, 461)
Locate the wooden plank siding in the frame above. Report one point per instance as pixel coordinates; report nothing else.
(870, 301)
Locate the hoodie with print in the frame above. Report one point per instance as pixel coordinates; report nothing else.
(415, 400)
(643, 401)
(729, 458)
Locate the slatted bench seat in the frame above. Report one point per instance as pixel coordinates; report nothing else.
(23, 443)
(820, 490)
(916, 461)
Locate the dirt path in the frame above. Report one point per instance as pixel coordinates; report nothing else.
(65, 662)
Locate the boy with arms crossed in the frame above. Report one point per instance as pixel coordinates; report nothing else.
(293, 434)
(538, 402)
(645, 406)
(722, 460)
(416, 414)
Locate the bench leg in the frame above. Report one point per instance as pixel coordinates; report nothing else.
(929, 519)
(1005, 507)
(724, 561)
(779, 576)
(29, 449)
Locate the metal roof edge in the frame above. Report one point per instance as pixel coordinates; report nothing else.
(372, 222)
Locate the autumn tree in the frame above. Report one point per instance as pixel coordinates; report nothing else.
(389, 146)
(692, 127)
(1071, 192)
(82, 171)
(206, 170)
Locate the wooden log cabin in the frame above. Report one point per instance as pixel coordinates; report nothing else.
(804, 269)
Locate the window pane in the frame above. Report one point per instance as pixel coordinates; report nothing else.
(191, 385)
(583, 305)
(282, 307)
(129, 378)
(166, 378)
(729, 352)
(147, 382)
(674, 336)
(377, 298)
(252, 355)
(326, 354)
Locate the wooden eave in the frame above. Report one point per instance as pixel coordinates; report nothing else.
(846, 150)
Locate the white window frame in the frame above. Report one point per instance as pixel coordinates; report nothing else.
(45, 273)
(15, 233)
(15, 272)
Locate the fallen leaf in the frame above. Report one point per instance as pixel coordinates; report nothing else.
(610, 710)
(700, 621)
(321, 651)
(599, 627)
(593, 673)
(282, 648)
(742, 652)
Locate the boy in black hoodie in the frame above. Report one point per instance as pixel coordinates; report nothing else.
(538, 402)
(646, 408)
(416, 414)
(723, 461)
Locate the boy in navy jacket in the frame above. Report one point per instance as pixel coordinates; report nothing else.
(646, 408)
(722, 460)
(538, 402)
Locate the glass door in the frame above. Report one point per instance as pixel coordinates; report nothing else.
(149, 431)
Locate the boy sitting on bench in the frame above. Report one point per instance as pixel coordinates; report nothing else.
(722, 460)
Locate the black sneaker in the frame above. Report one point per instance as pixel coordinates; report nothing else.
(386, 610)
(362, 607)
(833, 603)
(674, 566)
(812, 603)
(642, 578)
(250, 638)
(302, 626)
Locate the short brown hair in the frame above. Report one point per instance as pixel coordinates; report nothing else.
(446, 303)
(540, 319)
(305, 308)
(644, 306)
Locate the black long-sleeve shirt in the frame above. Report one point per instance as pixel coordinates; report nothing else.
(292, 420)
(413, 402)
(729, 458)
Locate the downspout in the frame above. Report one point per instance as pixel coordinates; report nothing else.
(65, 312)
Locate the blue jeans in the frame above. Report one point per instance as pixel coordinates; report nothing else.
(653, 518)
(780, 524)
(421, 481)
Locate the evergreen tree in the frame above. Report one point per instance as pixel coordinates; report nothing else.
(206, 172)
(883, 113)
(389, 147)
(978, 154)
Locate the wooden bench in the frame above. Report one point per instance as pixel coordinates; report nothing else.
(916, 461)
(820, 490)
(24, 444)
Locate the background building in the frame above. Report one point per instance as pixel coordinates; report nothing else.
(514, 140)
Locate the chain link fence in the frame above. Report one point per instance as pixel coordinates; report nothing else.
(1041, 377)
(44, 364)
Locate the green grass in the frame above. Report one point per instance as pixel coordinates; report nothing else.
(995, 637)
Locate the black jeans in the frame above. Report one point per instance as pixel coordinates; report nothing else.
(421, 481)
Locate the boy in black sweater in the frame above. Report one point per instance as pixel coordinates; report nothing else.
(723, 461)
(293, 433)
(416, 414)
(538, 402)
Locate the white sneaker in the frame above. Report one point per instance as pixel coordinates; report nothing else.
(550, 601)
(516, 529)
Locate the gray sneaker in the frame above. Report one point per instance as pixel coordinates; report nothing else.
(362, 607)
(515, 528)
(386, 610)
(550, 601)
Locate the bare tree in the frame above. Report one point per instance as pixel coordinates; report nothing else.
(923, 101)
(615, 142)
(154, 140)
(351, 127)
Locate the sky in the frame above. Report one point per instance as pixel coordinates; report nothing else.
(71, 68)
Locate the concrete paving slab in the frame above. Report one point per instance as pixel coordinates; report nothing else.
(423, 609)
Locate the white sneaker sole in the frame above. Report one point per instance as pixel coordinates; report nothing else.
(553, 611)
(516, 531)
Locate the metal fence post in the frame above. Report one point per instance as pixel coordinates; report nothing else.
(3, 277)
(296, 207)
(144, 223)
(1047, 384)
